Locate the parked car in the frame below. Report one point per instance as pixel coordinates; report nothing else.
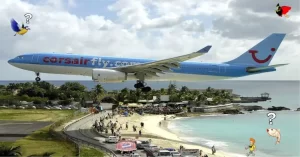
(152, 147)
(164, 153)
(142, 144)
(135, 155)
(112, 139)
(175, 153)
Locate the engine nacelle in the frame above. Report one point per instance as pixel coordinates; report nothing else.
(108, 75)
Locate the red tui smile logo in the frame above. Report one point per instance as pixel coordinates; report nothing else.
(261, 61)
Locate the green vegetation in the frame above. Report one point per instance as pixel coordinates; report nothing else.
(41, 142)
(44, 93)
(34, 115)
(90, 152)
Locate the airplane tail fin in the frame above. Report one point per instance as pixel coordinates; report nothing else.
(262, 53)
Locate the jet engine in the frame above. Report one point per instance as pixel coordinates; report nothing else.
(108, 75)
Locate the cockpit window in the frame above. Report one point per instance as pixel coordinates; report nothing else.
(20, 57)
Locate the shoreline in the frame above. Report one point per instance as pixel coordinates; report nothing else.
(166, 123)
(162, 136)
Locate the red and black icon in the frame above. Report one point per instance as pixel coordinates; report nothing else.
(282, 10)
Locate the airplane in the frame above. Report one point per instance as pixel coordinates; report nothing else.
(115, 69)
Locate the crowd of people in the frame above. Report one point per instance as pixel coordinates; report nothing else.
(109, 124)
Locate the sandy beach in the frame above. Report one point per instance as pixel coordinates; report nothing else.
(159, 135)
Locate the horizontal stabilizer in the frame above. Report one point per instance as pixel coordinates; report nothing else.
(265, 67)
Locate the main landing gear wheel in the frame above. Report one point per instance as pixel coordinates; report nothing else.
(142, 85)
(37, 79)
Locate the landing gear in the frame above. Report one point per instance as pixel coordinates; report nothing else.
(142, 84)
(37, 79)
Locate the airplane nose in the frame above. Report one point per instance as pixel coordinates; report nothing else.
(9, 61)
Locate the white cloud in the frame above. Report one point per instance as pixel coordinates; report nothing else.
(53, 29)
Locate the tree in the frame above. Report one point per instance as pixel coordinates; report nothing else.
(171, 89)
(72, 86)
(10, 151)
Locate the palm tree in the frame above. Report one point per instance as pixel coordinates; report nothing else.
(10, 151)
(171, 89)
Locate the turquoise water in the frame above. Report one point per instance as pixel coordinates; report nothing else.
(231, 133)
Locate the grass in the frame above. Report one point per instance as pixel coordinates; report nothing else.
(34, 115)
(41, 141)
(90, 152)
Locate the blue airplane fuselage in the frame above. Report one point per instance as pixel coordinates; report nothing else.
(255, 60)
(83, 64)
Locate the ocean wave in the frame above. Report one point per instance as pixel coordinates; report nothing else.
(206, 142)
(214, 115)
(175, 127)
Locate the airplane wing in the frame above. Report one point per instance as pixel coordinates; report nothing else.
(14, 25)
(161, 66)
(265, 67)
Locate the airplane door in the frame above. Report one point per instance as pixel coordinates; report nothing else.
(35, 59)
(222, 69)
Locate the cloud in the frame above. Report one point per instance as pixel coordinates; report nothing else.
(257, 20)
(265, 6)
(144, 29)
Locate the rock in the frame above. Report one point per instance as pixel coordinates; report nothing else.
(298, 109)
(279, 108)
(251, 108)
(231, 111)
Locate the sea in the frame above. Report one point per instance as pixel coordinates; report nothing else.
(231, 133)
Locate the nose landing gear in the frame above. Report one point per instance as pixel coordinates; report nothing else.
(142, 85)
(37, 79)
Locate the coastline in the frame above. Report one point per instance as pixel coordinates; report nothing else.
(192, 145)
(161, 135)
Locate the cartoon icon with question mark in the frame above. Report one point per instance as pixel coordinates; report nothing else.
(20, 30)
(28, 17)
(273, 116)
(273, 132)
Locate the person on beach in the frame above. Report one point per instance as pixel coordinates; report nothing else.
(213, 149)
(159, 123)
(251, 147)
(126, 125)
(140, 132)
(142, 124)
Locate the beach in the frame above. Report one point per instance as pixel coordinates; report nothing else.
(159, 135)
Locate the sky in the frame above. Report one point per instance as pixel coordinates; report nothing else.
(148, 29)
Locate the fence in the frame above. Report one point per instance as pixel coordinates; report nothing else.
(63, 136)
(79, 142)
(76, 142)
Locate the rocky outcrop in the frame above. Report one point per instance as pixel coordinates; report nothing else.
(279, 108)
(251, 108)
(231, 111)
(298, 109)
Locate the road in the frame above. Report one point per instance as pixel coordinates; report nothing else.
(14, 130)
(82, 129)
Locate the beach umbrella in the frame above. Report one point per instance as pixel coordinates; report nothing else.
(126, 146)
